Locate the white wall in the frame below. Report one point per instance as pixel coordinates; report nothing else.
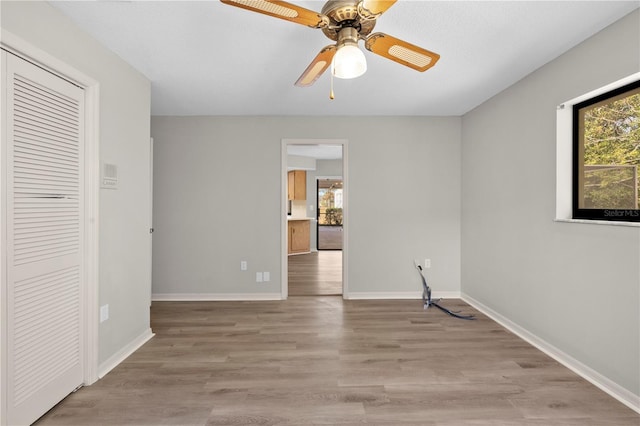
(575, 286)
(217, 201)
(124, 255)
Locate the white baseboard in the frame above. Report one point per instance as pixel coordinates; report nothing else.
(400, 295)
(213, 297)
(123, 353)
(623, 395)
(231, 297)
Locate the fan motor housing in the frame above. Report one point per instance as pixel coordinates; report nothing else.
(344, 13)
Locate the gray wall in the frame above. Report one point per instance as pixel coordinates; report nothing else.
(217, 200)
(124, 252)
(328, 168)
(576, 286)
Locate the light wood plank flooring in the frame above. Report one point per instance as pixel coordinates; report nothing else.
(322, 360)
(315, 274)
(330, 237)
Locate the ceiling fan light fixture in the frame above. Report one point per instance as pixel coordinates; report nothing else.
(346, 22)
(349, 61)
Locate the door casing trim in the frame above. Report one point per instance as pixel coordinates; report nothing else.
(284, 292)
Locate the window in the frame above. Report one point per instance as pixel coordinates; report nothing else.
(606, 156)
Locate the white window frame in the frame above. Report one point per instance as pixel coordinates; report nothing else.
(564, 155)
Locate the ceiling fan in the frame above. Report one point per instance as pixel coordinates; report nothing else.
(346, 22)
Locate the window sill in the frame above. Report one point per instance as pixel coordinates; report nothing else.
(600, 222)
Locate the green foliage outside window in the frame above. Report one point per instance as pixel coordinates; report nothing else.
(612, 153)
(334, 216)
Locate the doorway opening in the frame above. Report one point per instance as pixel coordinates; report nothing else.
(319, 269)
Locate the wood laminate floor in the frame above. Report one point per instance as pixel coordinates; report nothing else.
(315, 274)
(329, 237)
(325, 361)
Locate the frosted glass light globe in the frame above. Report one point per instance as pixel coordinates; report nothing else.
(349, 62)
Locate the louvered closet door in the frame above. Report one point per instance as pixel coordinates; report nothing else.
(44, 239)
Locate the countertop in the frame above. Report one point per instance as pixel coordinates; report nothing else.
(299, 218)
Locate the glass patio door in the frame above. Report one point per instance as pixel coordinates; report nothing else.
(329, 192)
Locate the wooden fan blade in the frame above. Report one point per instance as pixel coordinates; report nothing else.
(282, 10)
(371, 8)
(401, 52)
(317, 67)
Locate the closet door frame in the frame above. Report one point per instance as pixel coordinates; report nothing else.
(19, 47)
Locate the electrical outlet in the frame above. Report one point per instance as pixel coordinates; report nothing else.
(427, 263)
(266, 276)
(258, 277)
(104, 313)
(243, 265)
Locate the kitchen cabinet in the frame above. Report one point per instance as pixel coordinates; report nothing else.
(297, 185)
(299, 236)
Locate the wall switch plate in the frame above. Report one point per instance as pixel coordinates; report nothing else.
(104, 313)
(266, 276)
(243, 265)
(427, 263)
(258, 277)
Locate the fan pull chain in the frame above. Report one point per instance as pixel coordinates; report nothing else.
(331, 95)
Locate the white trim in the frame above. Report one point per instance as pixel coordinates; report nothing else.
(345, 219)
(221, 297)
(150, 219)
(92, 230)
(604, 89)
(564, 162)
(600, 222)
(3, 243)
(284, 290)
(564, 155)
(623, 395)
(213, 297)
(124, 353)
(284, 255)
(382, 295)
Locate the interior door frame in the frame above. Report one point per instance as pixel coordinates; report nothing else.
(151, 220)
(284, 292)
(89, 298)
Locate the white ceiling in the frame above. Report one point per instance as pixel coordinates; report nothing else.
(208, 58)
(319, 152)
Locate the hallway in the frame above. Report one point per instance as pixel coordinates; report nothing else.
(315, 274)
